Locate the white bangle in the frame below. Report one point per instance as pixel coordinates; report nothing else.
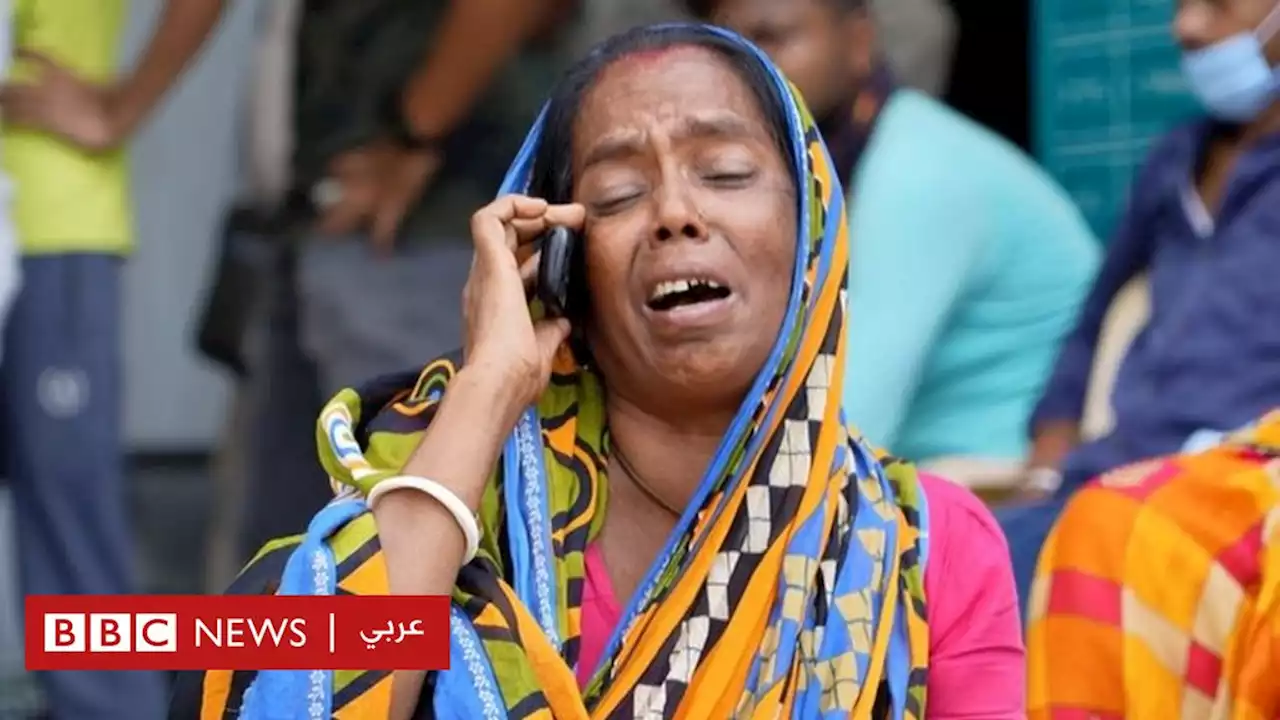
(462, 514)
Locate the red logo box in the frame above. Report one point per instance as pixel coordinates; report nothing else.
(244, 632)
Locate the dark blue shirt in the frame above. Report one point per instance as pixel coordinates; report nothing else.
(1209, 357)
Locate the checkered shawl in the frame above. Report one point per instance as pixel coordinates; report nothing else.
(791, 587)
(1158, 593)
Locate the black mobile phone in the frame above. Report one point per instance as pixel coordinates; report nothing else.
(555, 269)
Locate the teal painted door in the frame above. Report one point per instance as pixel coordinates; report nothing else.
(1106, 84)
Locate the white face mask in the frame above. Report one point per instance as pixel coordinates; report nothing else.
(1233, 78)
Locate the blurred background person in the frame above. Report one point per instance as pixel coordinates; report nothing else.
(601, 18)
(388, 123)
(918, 36)
(1203, 228)
(969, 262)
(918, 39)
(1191, 535)
(66, 119)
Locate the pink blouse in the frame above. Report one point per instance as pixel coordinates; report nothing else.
(977, 667)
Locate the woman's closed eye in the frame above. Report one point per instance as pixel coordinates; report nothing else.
(614, 200)
(730, 172)
(729, 178)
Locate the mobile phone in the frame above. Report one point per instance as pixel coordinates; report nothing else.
(554, 270)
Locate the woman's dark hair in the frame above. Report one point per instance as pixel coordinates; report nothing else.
(552, 175)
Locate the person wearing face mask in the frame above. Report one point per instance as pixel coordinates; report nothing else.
(1203, 224)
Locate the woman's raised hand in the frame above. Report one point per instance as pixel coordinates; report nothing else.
(506, 367)
(502, 342)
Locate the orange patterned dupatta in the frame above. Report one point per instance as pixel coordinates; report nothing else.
(1158, 593)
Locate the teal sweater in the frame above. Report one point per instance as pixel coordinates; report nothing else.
(968, 265)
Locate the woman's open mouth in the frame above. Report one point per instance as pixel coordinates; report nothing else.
(695, 303)
(671, 294)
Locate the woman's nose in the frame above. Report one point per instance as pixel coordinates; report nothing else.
(677, 214)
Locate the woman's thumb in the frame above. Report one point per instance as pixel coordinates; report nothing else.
(550, 333)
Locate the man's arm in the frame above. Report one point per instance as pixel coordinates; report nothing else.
(97, 118)
(474, 40)
(184, 27)
(1055, 423)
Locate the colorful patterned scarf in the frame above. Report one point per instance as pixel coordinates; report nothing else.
(1158, 593)
(791, 587)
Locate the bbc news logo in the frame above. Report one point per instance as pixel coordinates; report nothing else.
(154, 632)
(110, 632)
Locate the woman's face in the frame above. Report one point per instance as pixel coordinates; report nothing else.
(691, 227)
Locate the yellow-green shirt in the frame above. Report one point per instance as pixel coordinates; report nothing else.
(67, 200)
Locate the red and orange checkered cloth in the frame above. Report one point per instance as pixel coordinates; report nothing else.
(1158, 593)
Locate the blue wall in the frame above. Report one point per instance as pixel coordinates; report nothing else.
(1106, 83)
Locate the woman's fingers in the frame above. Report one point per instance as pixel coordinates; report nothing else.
(529, 271)
(571, 216)
(527, 217)
(503, 230)
(491, 225)
(497, 322)
(509, 207)
(529, 229)
(550, 333)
